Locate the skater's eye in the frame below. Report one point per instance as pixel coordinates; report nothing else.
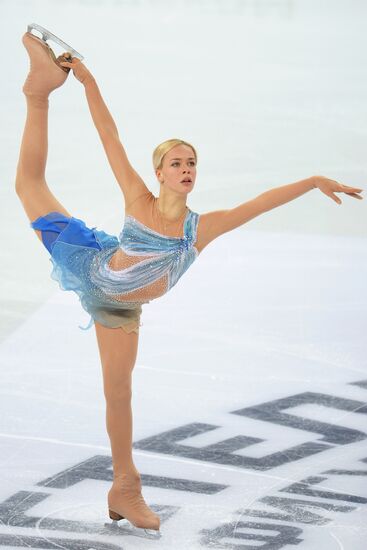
(191, 162)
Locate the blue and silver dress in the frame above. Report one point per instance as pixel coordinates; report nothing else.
(152, 263)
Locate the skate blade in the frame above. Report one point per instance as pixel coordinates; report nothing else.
(47, 35)
(130, 529)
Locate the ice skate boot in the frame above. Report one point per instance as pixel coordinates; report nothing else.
(45, 74)
(126, 501)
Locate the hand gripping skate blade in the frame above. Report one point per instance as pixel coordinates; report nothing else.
(47, 35)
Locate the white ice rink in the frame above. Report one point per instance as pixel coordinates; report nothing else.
(250, 386)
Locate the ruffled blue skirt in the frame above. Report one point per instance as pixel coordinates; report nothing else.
(73, 246)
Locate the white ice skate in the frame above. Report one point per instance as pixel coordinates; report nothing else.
(47, 35)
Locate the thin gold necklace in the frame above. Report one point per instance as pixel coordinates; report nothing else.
(164, 221)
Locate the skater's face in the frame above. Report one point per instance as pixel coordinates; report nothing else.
(178, 164)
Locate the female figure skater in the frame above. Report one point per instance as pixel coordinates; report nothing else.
(113, 277)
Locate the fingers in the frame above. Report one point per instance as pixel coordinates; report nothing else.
(68, 64)
(335, 198)
(351, 191)
(355, 195)
(72, 62)
(348, 189)
(80, 71)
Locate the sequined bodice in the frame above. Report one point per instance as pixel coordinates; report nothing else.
(136, 237)
(153, 262)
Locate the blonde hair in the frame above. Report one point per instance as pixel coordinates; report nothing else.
(166, 146)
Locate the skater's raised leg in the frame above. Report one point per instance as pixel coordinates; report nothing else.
(31, 187)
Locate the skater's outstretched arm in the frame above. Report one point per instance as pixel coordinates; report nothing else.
(128, 179)
(213, 224)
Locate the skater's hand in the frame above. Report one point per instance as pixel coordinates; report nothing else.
(80, 71)
(329, 187)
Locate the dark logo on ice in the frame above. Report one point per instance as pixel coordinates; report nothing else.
(275, 521)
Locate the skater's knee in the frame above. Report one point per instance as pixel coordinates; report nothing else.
(19, 186)
(119, 392)
(24, 185)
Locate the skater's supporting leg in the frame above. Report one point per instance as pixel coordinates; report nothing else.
(118, 351)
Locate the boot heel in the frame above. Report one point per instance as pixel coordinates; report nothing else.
(114, 515)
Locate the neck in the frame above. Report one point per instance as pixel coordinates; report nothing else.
(171, 207)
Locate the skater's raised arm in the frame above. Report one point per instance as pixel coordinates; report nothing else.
(128, 179)
(213, 224)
